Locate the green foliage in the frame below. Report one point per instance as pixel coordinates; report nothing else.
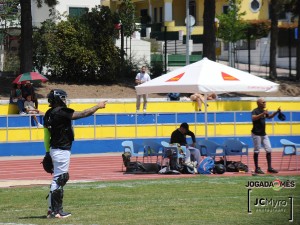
(11, 62)
(129, 70)
(127, 17)
(9, 10)
(50, 3)
(156, 69)
(232, 28)
(79, 49)
(195, 200)
(259, 28)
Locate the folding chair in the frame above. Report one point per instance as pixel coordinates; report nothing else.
(134, 149)
(235, 147)
(174, 147)
(152, 148)
(289, 148)
(212, 149)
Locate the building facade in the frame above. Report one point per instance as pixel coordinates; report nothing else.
(65, 7)
(156, 16)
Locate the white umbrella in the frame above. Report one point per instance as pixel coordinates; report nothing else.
(206, 76)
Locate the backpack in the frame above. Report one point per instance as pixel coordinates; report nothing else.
(139, 167)
(187, 169)
(232, 166)
(126, 158)
(174, 96)
(172, 155)
(206, 166)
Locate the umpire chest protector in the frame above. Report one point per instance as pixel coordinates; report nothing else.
(59, 122)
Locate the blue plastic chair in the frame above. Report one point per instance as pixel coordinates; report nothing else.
(152, 148)
(136, 150)
(289, 148)
(211, 148)
(168, 146)
(234, 147)
(183, 148)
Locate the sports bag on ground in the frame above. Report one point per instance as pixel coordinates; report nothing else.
(232, 166)
(172, 155)
(139, 167)
(206, 165)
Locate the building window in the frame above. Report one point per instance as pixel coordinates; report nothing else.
(161, 14)
(282, 15)
(77, 11)
(145, 18)
(225, 9)
(255, 5)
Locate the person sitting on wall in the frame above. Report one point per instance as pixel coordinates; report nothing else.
(199, 98)
(16, 98)
(28, 89)
(30, 109)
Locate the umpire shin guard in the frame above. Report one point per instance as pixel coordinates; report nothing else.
(57, 200)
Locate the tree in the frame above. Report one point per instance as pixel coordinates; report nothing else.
(232, 28)
(26, 33)
(127, 17)
(9, 16)
(295, 7)
(79, 49)
(209, 36)
(274, 13)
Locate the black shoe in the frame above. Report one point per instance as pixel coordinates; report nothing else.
(271, 170)
(259, 171)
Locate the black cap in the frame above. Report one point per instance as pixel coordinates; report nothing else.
(185, 126)
(281, 116)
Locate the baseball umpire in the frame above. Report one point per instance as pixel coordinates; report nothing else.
(58, 138)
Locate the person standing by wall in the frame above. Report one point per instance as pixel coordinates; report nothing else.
(259, 136)
(58, 139)
(141, 78)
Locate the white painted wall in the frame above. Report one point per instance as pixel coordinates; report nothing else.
(41, 14)
(140, 49)
(261, 55)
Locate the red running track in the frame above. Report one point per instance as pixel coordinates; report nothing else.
(109, 168)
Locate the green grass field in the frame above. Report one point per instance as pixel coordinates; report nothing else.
(196, 200)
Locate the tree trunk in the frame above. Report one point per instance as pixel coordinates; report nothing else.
(209, 33)
(26, 37)
(298, 50)
(274, 38)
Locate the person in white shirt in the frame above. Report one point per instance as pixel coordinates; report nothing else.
(141, 78)
(30, 109)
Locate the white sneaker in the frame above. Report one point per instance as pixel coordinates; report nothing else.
(39, 125)
(144, 110)
(22, 113)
